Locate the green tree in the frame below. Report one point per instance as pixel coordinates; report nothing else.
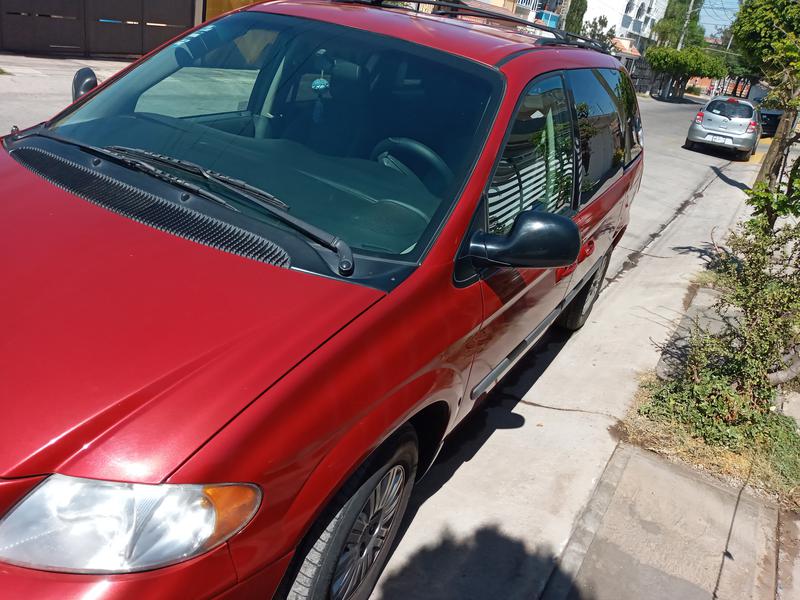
(768, 32)
(670, 26)
(574, 18)
(681, 65)
(596, 30)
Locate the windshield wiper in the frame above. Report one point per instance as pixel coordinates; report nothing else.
(138, 165)
(243, 188)
(265, 200)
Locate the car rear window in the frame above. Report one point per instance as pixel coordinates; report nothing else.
(732, 110)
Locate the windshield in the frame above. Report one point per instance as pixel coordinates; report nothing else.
(365, 136)
(731, 110)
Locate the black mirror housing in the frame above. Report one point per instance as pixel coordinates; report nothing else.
(83, 81)
(538, 240)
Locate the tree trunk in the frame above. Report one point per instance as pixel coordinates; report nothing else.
(684, 83)
(771, 167)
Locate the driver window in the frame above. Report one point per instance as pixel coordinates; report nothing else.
(535, 171)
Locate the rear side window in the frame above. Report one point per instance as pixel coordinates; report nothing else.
(535, 171)
(600, 129)
(732, 110)
(621, 87)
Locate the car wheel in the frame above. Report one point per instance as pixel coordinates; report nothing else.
(744, 155)
(577, 313)
(689, 145)
(344, 554)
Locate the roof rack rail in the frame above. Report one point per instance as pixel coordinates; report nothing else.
(456, 9)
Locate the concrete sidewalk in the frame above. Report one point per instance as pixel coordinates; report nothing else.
(664, 531)
(34, 89)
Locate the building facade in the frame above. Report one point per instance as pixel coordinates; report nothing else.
(632, 19)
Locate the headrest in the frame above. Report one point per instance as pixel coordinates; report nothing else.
(348, 81)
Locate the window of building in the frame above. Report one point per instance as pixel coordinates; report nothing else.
(536, 169)
(601, 153)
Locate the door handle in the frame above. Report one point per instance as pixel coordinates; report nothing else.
(586, 251)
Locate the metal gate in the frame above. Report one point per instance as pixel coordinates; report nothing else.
(91, 27)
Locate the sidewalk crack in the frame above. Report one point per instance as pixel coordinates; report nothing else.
(575, 410)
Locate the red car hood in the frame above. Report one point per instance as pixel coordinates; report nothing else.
(124, 348)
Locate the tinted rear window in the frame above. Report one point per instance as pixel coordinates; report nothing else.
(600, 129)
(732, 110)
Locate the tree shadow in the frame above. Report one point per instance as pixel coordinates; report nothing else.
(487, 565)
(707, 252)
(673, 100)
(730, 181)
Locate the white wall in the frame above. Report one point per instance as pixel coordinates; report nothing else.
(626, 24)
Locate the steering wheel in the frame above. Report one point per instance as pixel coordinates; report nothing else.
(411, 157)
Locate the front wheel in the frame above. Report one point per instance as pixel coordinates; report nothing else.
(577, 313)
(345, 553)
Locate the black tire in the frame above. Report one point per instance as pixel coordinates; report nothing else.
(317, 558)
(577, 313)
(744, 155)
(689, 145)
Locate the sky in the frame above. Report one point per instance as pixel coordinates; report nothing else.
(717, 13)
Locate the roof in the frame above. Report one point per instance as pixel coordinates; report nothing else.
(626, 47)
(487, 42)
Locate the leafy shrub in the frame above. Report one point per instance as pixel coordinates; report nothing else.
(723, 393)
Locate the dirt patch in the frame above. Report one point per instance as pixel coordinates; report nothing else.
(691, 292)
(672, 440)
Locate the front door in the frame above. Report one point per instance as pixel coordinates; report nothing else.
(534, 172)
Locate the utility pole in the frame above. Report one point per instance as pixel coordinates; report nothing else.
(686, 23)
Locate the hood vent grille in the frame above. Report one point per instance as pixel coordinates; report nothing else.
(149, 209)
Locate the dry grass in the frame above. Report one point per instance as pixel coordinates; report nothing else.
(674, 441)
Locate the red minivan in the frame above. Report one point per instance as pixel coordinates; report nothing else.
(253, 281)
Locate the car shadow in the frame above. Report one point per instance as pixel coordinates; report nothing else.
(715, 151)
(479, 567)
(494, 413)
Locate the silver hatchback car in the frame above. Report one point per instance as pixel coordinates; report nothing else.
(729, 123)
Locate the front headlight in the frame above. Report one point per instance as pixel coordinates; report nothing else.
(88, 526)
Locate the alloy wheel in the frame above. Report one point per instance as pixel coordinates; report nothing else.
(368, 534)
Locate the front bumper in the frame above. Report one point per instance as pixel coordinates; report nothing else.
(741, 141)
(209, 576)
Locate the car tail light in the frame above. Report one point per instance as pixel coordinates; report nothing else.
(699, 118)
(752, 127)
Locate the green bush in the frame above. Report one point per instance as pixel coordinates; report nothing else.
(694, 89)
(724, 392)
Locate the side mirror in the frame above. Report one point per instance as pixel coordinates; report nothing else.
(83, 82)
(537, 240)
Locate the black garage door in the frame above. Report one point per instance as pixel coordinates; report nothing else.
(91, 27)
